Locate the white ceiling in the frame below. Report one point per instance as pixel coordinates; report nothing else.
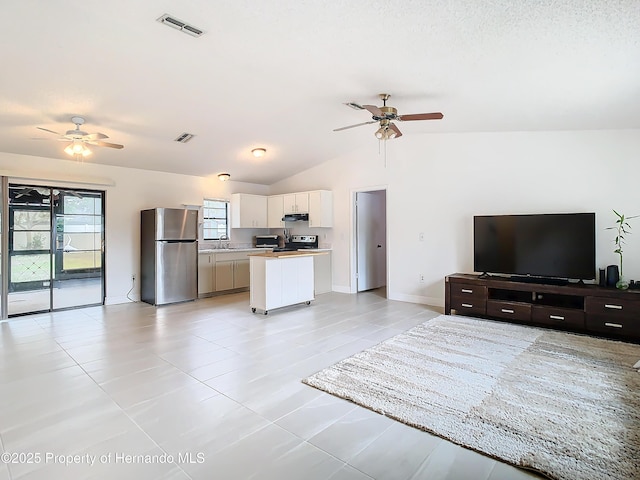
(274, 73)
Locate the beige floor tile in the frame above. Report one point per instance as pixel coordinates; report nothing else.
(396, 453)
(452, 462)
(216, 387)
(347, 472)
(313, 417)
(351, 434)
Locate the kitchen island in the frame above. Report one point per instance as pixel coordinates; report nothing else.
(279, 279)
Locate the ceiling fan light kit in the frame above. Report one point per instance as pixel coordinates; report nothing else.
(77, 148)
(80, 139)
(385, 115)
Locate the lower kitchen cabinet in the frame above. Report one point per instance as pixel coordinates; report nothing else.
(206, 273)
(231, 271)
(224, 275)
(241, 275)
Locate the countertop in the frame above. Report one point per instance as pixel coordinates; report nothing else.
(227, 250)
(262, 250)
(295, 253)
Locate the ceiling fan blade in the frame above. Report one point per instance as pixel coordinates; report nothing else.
(420, 116)
(100, 143)
(374, 110)
(354, 105)
(95, 136)
(356, 125)
(47, 130)
(393, 127)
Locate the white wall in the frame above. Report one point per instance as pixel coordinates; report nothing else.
(436, 183)
(127, 192)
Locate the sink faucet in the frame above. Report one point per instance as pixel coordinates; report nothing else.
(222, 237)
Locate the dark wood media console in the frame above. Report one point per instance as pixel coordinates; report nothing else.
(586, 309)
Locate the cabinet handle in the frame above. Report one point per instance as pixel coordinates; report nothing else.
(615, 325)
(467, 305)
(466, 290)
(556, 317)
(507, 310)
(615, 307)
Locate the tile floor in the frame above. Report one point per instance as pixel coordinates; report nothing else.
(208, 390)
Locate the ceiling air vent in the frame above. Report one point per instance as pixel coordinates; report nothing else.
(184, 138)
(180, 25)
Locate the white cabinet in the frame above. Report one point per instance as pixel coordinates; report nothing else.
(206, 273)
(224, 275)
(280, 281)
(241, 277)
(322, 280)
(231, 271)
(248, 211)
(296, 203)
(275, 211)
(320, 208)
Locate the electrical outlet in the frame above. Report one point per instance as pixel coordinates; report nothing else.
(421, 278)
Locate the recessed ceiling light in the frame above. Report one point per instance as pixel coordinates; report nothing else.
(259, 152)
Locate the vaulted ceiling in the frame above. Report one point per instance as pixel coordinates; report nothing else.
(275, 74)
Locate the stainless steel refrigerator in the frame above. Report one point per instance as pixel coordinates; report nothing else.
(168, 255)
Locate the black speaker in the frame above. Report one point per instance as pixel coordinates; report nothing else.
(602, 279)
(612, 275)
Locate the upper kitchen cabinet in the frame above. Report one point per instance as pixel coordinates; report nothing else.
(320, 208)
(248, 211)
(275, 211)
(296, 203)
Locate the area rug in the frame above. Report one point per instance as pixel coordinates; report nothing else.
(564, 405)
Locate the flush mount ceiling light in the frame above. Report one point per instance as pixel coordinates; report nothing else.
(259, 152)
(77, 149)
(223, 177)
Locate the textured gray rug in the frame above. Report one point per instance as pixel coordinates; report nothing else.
(565, 405)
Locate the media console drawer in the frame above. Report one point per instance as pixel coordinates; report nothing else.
(509, 310)
(468, 305)
(614, 307)
(466, 290)
(558, 317)
(613, 326)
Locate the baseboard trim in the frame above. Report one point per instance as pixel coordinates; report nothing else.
(341, 289)
(432, 301)
(120, 300)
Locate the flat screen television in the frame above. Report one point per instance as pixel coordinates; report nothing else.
(557, 245)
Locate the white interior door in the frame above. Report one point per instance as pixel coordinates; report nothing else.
(371, 233)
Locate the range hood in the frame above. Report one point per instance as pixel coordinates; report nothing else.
(296, 217)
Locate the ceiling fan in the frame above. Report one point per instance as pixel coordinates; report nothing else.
(79, 139)
(386, 115)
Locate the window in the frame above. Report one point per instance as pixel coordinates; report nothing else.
(216, 219)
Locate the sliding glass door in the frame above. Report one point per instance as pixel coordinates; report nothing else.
(55, 248)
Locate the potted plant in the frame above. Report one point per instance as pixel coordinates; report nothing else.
(622, 228)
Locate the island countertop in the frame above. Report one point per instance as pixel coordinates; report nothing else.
(294, 253)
